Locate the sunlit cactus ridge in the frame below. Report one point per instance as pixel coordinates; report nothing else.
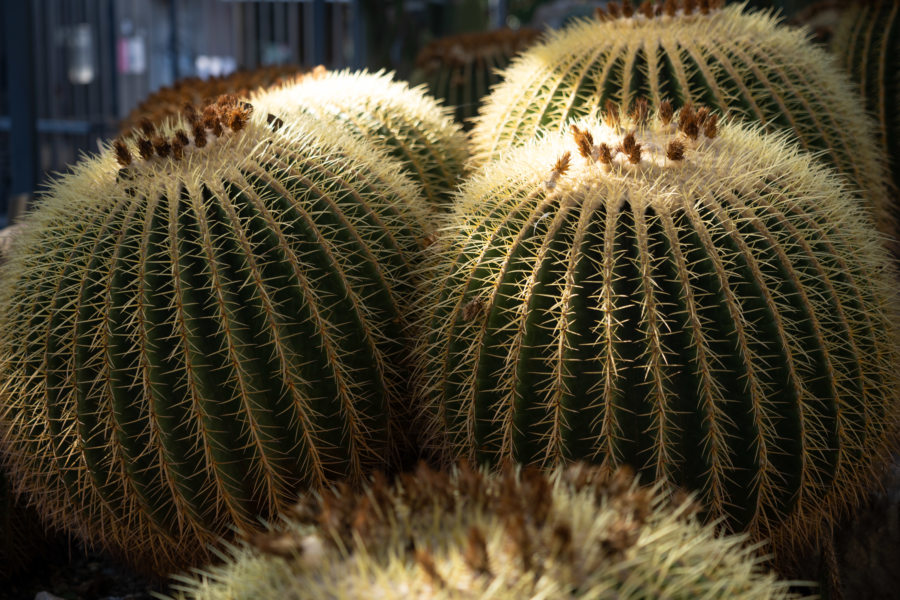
(695, 299)
(410, 125)
(743, 64)
(190, 338)
(578, 533)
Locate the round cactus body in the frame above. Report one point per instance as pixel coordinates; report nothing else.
(744, 65)
(574, 534)
(405, 122)
(191, 339)
(461, 69)
(703, 303)
(867, 44)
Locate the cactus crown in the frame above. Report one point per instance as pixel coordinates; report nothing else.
(462, 49)
(649, 10)
(580, 533)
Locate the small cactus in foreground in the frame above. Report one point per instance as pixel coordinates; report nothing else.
(741, 64)
(462, 69)
(405, 122)
(867, 44)
(577, 534)
(199, 323)
(695, 299)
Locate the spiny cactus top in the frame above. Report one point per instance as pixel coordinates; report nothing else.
(410, 125)
(700, 301)
(518, 536)
(169, 101)
(742, 64)
(867, 44)
(199, 323)
(461, 69)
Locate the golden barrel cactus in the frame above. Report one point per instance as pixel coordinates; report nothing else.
(197, 325)
(702, 302)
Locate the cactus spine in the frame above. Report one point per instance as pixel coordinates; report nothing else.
(405, 122)
(574, 534)
(706, 305)
(190, 339)
(867, 44)
(461, 69)
(742, 64)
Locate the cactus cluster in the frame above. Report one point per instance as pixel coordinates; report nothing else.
(576, 533)
(867, 44)
(696, 300)
(169, 101)
(743, 64)
(461, 69)
(202, 321)
(408, 124)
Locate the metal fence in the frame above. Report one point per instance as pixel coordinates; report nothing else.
(71, 69)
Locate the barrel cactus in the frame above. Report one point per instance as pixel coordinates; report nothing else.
(169, 101)
(742, 64)
(867, 44)
(699, 301)
(406, 122)
(461, 69)
(197, 325)
(574, 534)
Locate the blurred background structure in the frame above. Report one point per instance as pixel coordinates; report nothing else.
(71, 70)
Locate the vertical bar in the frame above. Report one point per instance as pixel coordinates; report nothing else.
(173, 40)
(292, 22)
(317, 32)
(20, 83)
(358, 27)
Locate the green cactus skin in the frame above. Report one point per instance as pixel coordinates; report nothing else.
(517, 536)
(867, 44)
(461, 69)
(187, 343)
(406, 122)
(725, 321)
(742, 64)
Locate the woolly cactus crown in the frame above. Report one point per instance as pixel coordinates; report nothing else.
(699, 301)
(190, 339)
(573, 534)
(743, 64)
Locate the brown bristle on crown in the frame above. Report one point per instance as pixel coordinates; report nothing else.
(162, 146)
(226, 100)
(189, 111)
(123, 154)
(216, 128)
(248, 108)
(686, 114)
(704, 6)
(611, 113)
(675, 150)
(145, 148)
(181, 137)
(646, 9)
(562, 163)
(640, 110)
(627, 8)
(690, 6)
(426, 561)
(600, 14)
(237, 118)
(711, 126)
(613, 9)
(691, 128)
(584, 140)
(666, 112)
(702, 115)
(199, 132)
(604, 154)
(177, 149)
(146, 126)
(476, 555)
(670, 7)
